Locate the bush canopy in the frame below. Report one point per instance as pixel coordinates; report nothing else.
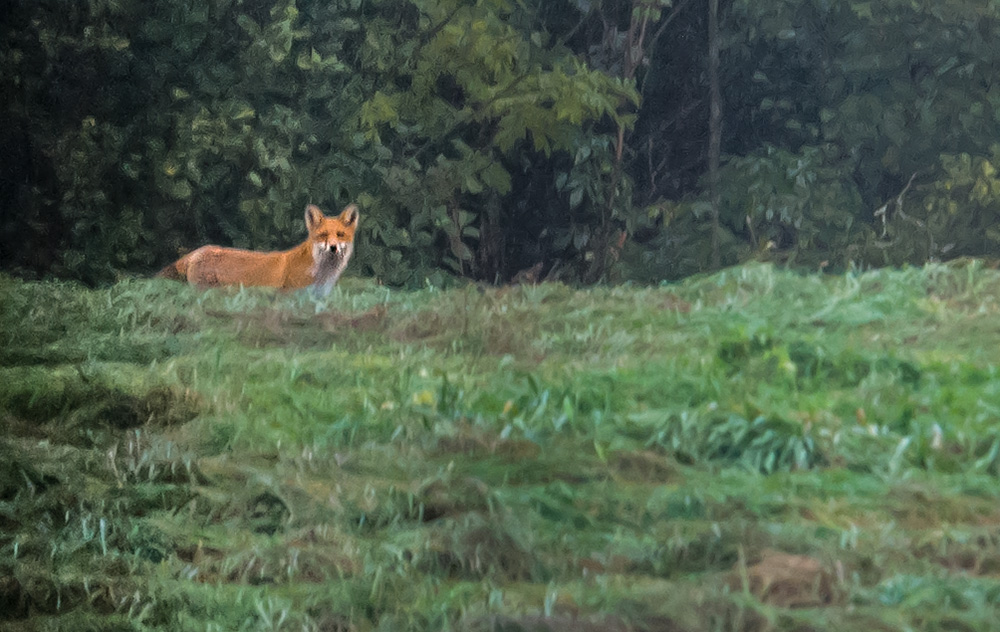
(484, 137)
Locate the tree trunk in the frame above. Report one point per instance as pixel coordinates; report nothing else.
(714, 127)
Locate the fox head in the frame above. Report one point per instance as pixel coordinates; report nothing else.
(332, 240)
(331, 236)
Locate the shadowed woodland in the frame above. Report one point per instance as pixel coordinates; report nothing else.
(483, 138)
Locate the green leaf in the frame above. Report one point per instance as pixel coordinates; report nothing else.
(496, 178)
(472, 185)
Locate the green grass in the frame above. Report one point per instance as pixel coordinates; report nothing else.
(752, 450)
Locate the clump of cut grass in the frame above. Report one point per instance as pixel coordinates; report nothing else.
(89, 404)
(274, 327)
(476, 547)
(763, 443)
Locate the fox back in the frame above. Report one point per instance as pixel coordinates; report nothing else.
(318, 261)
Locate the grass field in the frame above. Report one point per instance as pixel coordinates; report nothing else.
(753, 450)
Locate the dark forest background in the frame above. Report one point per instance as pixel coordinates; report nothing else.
(484, 137)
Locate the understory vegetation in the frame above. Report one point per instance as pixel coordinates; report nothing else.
(753, 450)
(588, 141)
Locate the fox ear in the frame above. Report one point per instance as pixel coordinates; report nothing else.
(349, 216)
(313, 216)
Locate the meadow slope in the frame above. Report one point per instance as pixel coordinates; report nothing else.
(752, 450)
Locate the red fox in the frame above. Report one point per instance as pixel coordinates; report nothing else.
(318, 261)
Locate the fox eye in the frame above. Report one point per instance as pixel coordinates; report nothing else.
(322, 236)
(341, 235)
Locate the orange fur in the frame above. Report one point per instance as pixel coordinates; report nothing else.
(318, 261)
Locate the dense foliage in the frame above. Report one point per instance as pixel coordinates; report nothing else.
(484, 136)
(142, 127)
